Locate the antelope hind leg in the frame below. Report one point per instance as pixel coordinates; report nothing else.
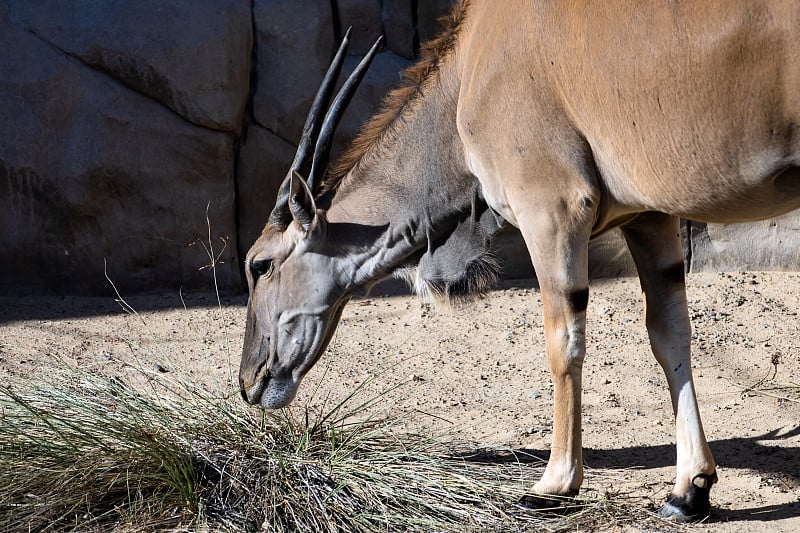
(654, 242)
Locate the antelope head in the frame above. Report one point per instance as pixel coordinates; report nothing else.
(295, 299)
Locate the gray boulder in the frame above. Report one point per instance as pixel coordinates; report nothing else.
(398, 26)
(428, 14)
(264, 159)
(608, 255)
(365, 18)
(191, 56)
(121, 121)
(294, 42)
(766, 245)
(92, 172)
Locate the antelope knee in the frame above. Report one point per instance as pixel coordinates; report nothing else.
(568, 349)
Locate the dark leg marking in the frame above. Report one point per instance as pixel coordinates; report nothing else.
(578, 300)
(674, 273)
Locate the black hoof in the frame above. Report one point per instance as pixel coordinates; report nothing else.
(693, 507)
(545, 503)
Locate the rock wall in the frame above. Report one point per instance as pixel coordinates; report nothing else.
(143, 138)
(118, 132)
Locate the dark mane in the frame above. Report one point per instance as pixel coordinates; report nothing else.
(399, 98)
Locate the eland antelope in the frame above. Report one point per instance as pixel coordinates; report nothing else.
(565, 119)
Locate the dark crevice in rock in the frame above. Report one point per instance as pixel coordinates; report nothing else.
(383, 26)
(337, 22)
(276, 134)
(689, 266)
(414, 19)
(248, 121)
(118, 80)
(250, 113)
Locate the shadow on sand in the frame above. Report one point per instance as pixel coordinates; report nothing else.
(753, 453)
(18, 308)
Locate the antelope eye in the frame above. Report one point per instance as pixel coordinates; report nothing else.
(261, 267)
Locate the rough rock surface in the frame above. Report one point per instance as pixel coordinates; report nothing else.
(364, 16)
(382, 76)
(398, 27)
(608, 256)
(766, 245)
(93, 172)
(295, 41)
(121, 121)
(428, 14)
(263, 160)
(193, 58)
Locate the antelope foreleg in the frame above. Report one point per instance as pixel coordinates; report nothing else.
(559, 252)
(565, 324)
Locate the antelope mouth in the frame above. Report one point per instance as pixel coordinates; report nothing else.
(271, 392)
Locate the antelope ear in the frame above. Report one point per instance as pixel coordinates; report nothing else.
(301, 202)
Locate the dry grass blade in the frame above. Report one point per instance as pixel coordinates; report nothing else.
(768, 386)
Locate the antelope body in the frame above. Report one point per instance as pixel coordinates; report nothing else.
(565, 119)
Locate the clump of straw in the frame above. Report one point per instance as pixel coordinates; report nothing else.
(79, 451)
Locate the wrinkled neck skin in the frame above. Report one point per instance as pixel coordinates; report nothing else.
(411, 188)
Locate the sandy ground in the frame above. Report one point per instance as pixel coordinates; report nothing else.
(479, 371)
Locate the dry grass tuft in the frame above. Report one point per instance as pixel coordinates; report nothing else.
(81, 451)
